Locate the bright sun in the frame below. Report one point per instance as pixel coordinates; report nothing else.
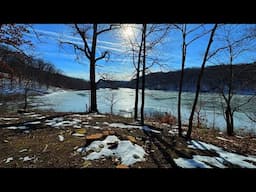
(128, 32)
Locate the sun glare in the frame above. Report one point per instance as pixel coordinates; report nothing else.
(128, 31)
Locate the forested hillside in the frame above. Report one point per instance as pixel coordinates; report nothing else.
(22, 68)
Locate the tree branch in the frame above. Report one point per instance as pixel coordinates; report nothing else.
(82, 34)
(102, 56)
(111, 27)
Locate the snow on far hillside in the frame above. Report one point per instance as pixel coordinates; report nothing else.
(12, 87)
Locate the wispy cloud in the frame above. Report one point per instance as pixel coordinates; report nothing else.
(77, 40)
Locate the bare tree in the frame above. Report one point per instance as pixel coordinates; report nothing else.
(186, 41)
(154, 34)
(233, 46)
(112, 98)
(198, 85)
(90, 52)
(144, 30)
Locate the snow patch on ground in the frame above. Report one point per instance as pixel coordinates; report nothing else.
(224, 156)
(27, 158)
(78, 134)
(215, 161)
(98, 115)
(190, 163)
(23, 150)
(8, 118)
(123, 126)
(128, 152)
(146, 128)
(9, 159)
(18, 127)
(32, 123)
(224, 139)
(61, 138)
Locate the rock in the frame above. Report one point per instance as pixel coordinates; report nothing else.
(76, 147)
(26, 131)
(135, 156)
(109, 132)
(138, 138)
(80, 131)
(131, 138)
(21, 111)
(96, 136)
(101, 146)
(86, 164)
(122, 166)
(78, 134)
(61, 138)
(45, 148)
(97, 150)
(106, 133)
(113, 145)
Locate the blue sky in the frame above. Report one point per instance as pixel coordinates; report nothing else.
(120, 64)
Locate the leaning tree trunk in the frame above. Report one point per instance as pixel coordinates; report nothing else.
(93, 107)
(198, 85)
(181, 82)
(143, 74)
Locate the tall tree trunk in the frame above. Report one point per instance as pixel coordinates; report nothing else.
(198, 85)
(181, 79)
(137, 82)
(229, 121)
(93, 107)
(143, 73)
(25, 99)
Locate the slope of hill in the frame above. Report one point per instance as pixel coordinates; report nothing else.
(19, 69)
(215, 78)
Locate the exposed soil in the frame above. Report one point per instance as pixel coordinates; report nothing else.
(42, 148)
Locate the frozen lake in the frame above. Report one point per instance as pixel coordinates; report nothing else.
(155, 101)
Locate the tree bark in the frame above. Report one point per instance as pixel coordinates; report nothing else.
(93, 100)
(181, 79)
(198, 85)
(143, 73)
(137, 82)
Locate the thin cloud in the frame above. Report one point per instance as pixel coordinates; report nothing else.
(77, 40)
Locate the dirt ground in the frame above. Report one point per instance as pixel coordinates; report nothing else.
(40, 145)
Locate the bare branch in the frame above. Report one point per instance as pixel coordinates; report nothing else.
(82, 34)
(102, 56)
(111, 27)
